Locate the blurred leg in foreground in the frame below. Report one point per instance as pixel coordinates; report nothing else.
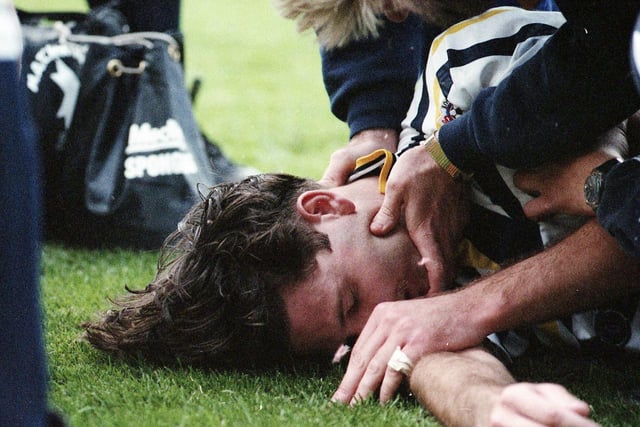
(23, 375)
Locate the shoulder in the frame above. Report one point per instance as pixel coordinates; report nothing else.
(497, 23)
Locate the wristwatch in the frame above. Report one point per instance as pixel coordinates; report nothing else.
(594, 183)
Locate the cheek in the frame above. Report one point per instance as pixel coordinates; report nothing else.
(381, 283)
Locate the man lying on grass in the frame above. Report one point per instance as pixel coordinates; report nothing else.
(276, 266)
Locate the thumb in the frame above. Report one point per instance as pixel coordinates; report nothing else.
(387, 217)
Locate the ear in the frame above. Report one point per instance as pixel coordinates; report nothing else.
(315, 205)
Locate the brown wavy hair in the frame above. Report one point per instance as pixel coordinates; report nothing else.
(215, 300)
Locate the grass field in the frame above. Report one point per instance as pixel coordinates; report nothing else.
(263, 101)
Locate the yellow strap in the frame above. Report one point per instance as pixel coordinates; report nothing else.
(468, 255)
(386, 167)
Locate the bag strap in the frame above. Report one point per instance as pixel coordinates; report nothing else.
(144, 38)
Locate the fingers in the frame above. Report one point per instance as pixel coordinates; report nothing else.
(528, 181)
(531, 182)
(368, 369)
(337, 172)
(506, 417)
(538, 208)
(558, 394)
(363, 352)
(540, 405)
(433, 258)
(390, 384)
(435, 251)
(373, 375)
(390, 211)
(343, 160)
(376, 375)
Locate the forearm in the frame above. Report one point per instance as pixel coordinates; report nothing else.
(370, 82)
(570, 104)
(583, 271)
(460, 388)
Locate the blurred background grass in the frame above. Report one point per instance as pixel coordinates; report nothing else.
(263, 101)
(263, 97)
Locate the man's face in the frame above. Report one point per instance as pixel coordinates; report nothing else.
(359, 272)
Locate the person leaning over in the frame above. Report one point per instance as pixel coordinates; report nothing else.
(560, 74)
(256, 260)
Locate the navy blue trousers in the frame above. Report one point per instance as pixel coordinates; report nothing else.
(23, 375)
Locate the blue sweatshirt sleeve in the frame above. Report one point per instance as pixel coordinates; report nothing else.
(575, 88)
(370, 82)
(619, 210)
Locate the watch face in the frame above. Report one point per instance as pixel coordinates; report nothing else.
(592, 189)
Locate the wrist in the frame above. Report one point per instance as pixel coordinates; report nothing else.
(486, 307)
(475, 317)
(594, 184)
(381, 137)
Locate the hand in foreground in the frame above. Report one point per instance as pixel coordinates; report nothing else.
(559, 187)
(431, 204)
(416, 326)
(343, 160)
(527, 404)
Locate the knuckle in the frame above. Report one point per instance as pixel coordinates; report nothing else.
(376, 368)
(341, 394)
(553, 417)
(396, 184)
(386, 211)
(340, 157)
(405, 323)
(385, 313)
(357, 363)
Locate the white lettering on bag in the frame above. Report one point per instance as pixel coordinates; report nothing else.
(144, 144)
(163, 164)
(50, 53)
(144, 138)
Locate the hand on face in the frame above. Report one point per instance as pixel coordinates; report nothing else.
(539, 405)
(433, 208)
(363, 143)
(418, 327)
